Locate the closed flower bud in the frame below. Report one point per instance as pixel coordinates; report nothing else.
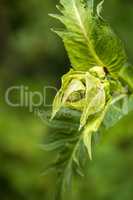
(82, 91)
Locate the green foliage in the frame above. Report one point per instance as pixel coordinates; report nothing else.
(73, 146)
(118, 109)
(93, 91)
(88, 39)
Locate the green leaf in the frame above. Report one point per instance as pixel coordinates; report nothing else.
(117, 110)
(92, 127)
(126, 74)
(89, 40)
(70, 147)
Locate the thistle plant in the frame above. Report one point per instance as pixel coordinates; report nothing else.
(95, 93)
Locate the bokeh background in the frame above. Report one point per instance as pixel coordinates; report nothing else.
(31, 55)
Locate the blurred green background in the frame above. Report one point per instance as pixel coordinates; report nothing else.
(31, 55)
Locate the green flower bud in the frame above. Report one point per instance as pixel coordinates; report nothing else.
(82, 91)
